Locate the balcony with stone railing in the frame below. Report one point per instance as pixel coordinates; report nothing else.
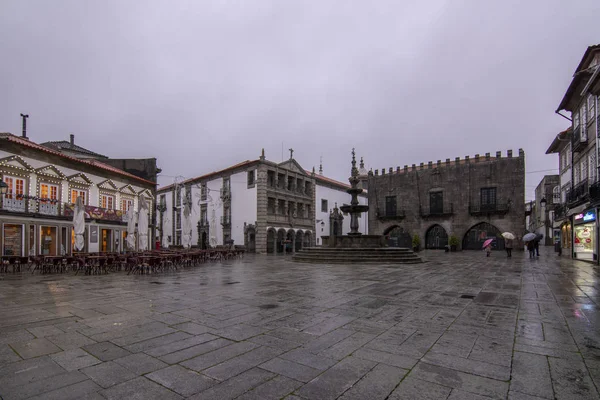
(478, 209)
(49, 208)
(390, 215)
(14, 204)
(437, 212)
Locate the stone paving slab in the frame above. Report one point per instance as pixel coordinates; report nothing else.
(266, 328)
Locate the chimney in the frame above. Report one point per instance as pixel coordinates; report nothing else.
(72, 139)
(24, 117)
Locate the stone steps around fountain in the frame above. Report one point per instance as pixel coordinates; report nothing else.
(384, 255)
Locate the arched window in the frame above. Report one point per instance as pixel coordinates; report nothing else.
(556, 195)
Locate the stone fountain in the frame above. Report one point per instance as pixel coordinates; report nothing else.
(355, 247)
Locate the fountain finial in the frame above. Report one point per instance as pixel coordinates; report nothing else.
(354, 171)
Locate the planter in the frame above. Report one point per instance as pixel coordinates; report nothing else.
(416, 249)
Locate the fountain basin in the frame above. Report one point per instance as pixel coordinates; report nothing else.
(354, 241)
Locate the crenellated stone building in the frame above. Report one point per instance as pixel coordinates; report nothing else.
(471, 198)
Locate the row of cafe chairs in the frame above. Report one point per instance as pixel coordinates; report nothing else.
(134, 262)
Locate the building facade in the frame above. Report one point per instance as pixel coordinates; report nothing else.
(471, 199)
(265, 206)
(577, 217)
(561, 224)
(42, 184)
(541, 210)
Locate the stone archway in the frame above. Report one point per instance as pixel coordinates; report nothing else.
(250, 238)
(280, 245)
(307, 239)
(271, 244)
(298, 240)
(396, 236)
(436, 237)
(479, 233)
(289, 241)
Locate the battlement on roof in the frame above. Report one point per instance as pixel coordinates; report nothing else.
(448, 163)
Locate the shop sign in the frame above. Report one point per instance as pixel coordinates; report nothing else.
(588, 216)
(98, 213)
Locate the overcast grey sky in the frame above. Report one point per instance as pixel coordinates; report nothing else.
(205, 84)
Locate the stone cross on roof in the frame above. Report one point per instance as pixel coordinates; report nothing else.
(291, 153)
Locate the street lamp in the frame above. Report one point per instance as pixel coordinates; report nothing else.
(543, 202)
(3, 187)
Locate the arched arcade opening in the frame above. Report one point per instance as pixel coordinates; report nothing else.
(474, 238)
(436, 237)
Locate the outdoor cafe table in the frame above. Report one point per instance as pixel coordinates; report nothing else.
(14, 261)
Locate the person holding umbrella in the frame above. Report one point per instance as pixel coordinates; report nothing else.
(487, 245)
(508, 244)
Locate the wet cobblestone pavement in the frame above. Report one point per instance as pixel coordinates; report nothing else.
(461, 326)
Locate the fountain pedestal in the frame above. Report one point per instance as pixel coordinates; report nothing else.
(355, 247)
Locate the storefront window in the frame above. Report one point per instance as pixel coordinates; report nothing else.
(584, 238)
(13, 240)
(32, 240)
(48, 241)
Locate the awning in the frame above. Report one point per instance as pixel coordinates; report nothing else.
(577, 210)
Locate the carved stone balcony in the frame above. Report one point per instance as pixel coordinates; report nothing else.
(391, 215)
(436, 212)
(488, 209)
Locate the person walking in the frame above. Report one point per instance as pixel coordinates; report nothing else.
(531, 248)
(536, 246)
(488, 250)
(508, 246)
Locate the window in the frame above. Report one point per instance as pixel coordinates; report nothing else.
(163, 200)
(281, 207)
(577, 173)
(204, 216)
(107, 201)
(390, 206)
(16, 187)
(203, 191)
(584, 166)
(250, 178)
(290, 183)
(436, 202)
(307, 209)
(271, 178)
(48, 192)
(592, 166)
(591, 107)
(556, 195)
(126, 204)
(271, 205)
(324, 206)
(75, 193)
(178, 196)
(178, 220)
(307, 190)
(576, 120)
(488, 198)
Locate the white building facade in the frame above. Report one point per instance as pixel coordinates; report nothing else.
(265, 206)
